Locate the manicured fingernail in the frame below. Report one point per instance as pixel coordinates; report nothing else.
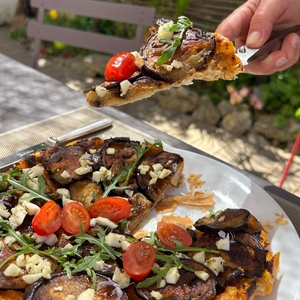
(280, 61)
(296, 42)
(253, 37)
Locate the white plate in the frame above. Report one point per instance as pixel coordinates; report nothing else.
(233, 190)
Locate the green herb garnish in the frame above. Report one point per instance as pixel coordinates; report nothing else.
(172, 261)
(212, 213)
(128, 169)
(181, 26)
(160, 247)
(22, 184)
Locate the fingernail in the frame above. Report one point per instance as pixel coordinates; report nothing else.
(280, 61)
(296, 42)
(253, 37)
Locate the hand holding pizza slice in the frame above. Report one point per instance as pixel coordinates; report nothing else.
(172, 55)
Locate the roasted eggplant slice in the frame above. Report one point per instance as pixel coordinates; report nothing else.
(192, 54)
(141, 210)
(227, 220)
(88, 144)
(170, 162)
(246, 252)
(117, 152)
(188, 286)
(59, 287)
(63, 163)
(82, 191)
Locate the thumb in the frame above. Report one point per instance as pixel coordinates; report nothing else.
(261, 25)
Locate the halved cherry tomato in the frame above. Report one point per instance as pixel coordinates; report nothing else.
(48, 219)
(113, 208)
(138, 259)
(73, 214)
(120, 66)
(168, 232)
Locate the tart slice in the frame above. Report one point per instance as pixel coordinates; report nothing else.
(172, 55)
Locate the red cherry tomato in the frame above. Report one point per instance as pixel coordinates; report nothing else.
(73, 214)
(113, 208)
(48, 219)
(120, 66)
(138, 259)
(168, 232)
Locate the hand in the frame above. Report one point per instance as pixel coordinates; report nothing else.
(252, 24)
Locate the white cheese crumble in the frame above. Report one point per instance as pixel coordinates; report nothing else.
(24, 196)
(129, 193)
(100, 175)
(114, 240)
(88, 294)
(223, 244)
(143, 169)
(30, 208)
(165, 34)
(99, 265)
(172, 275)
(125, 85)
(65, 174)
(125, 245)
(93, 151)
(31, 278)
(121, 277)
(3, 211)
(64, 192)
(70, 297)
(18, 215)
(58, 288)
(101, 91)
(157, 168)
(156, 295)
(36, 171)
(215, 264)
(139, 62)
(202, 275)
(176, 64)
(135, 54)
(13, 270)
(105, 222)
(83, 170)
(169, 68)
(110, 151)
(199, 257)
(164, 173)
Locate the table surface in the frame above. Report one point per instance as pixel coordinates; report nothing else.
(39, 88)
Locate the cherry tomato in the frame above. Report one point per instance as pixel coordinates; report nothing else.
(168, 232)
(113, 208)
(120, 66)
(73, 214)
(138, 259)
(48, 219)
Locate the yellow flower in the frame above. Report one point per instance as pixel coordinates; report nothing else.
(53, 14)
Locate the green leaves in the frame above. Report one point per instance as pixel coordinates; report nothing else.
(172, 261)
(211, 212)
(22, 184)
(181, 26)
(160, 247)
(99, 241)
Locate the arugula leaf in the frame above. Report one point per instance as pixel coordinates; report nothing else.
(100, 241)
(154, 240)
(181, 26)
(211, 212)
(95, 197)
(3, 177)
(123, 224)
(141, 149)
(172, 261)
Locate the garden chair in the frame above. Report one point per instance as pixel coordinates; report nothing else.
(132, 14)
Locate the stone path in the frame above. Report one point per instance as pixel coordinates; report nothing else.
(251, 155)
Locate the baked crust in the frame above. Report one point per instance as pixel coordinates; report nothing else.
(202, 56)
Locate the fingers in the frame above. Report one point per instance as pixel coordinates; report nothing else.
(278, 60)
(236, 25)
(261, 25)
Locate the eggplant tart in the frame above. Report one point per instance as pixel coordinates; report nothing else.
(170, 59)
(225, 256)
